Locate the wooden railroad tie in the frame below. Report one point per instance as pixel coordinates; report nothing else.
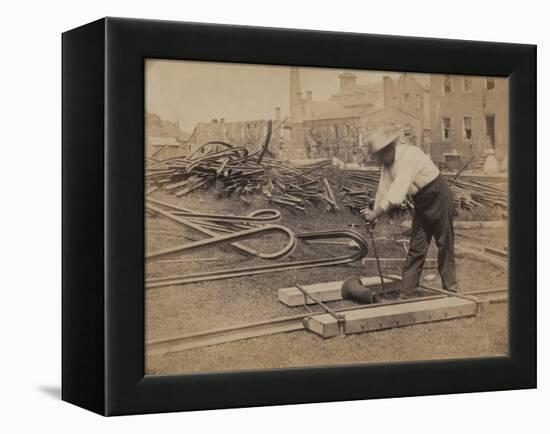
(375, 317)
(331, 291)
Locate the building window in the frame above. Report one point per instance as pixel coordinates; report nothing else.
(446, 125)
(467, 84)
(468, 128)
(446, 84)
(406, 96)
(490, 83)
(418, 102)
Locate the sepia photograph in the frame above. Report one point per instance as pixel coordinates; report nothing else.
(299, 216)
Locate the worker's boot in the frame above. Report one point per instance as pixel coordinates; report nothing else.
(453, 288)
(409, 293)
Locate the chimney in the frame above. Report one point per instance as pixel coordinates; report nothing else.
(388, 91)
(308, 103)
(222, 120)
(295, 94)
(347, 81)
(277, 114)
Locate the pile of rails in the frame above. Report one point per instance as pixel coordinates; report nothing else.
(296, 187)
(470, 194)
(359, 187)
(234, 170)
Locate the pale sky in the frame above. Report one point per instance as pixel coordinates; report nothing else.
(191, 92)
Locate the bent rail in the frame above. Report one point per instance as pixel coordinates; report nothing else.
(283, 266)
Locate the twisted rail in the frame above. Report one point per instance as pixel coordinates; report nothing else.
(270, 268)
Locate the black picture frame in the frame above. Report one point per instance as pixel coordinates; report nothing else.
(103, 216)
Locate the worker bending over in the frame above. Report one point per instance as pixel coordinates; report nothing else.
(407, 172)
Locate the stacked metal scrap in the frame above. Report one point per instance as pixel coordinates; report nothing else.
(359, 187)
(237, 170)
(234, 170)
(470, 194)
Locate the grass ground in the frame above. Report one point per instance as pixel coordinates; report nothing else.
(183, 309)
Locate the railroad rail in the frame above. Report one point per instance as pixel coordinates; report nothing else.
(280, 325)
(362, 251)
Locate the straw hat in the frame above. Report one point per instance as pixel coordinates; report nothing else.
(381, 138)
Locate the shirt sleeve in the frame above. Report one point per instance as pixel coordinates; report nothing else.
(396, 191)
(383, 185)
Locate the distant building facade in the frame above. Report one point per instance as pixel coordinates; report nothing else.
(410, 96)
(338, 126)
(245, 133)
(335, 127)
(469, 115)
(344, 137)
(164, 139)
(439, 113)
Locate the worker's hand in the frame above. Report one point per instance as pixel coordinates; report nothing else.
(368, 215)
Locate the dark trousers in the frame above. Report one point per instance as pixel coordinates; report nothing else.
(432, 218)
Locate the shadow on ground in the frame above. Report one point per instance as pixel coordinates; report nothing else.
(52, 391)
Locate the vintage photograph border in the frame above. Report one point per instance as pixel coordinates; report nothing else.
(113, 351)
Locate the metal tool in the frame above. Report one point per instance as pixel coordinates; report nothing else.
(353, 289)
(340, 318)
(370, 229)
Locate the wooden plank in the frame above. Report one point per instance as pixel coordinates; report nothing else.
(386, 317)
(331, 291)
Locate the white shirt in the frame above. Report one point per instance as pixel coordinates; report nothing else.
(411, 171)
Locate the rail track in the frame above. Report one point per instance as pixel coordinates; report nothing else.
(281, 325)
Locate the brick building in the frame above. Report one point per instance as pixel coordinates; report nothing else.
(439, 113)
(336, 127)
(468, 114)
(342, 137)
(410, 96)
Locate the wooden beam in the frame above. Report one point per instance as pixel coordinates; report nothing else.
(385, 317)
(331, 291)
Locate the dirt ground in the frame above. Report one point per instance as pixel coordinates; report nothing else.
(183, 309)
